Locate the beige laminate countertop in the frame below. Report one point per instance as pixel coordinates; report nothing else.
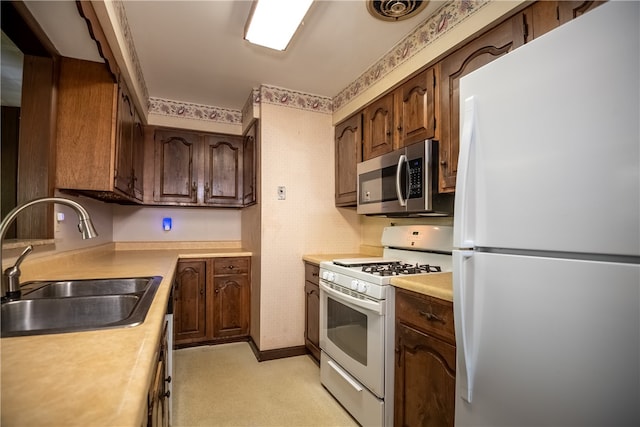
(437, 285)
(95, 378)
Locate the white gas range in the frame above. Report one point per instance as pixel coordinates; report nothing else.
(357, 314)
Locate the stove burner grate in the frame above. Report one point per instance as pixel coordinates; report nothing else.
(397, 268)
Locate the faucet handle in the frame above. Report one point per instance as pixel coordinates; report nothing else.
(12, 275)
(21, 258)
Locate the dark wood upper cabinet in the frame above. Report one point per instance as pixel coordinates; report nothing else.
(497, 42)
(416, 108)
(378, 125)
(402, 117)
(250, 164)
(223, 173)
(202, 169)
(348, 152)
(544, 16)
(176, 158)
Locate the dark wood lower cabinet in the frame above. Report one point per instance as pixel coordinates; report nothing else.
(425, 362)
(211, 300)
(312, 309)
(158, 396)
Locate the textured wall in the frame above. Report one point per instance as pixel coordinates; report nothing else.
(297, 152)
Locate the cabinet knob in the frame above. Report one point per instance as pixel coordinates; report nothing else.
(168, 379)
(194, 187)
(167, 394)
(217, 290)
(443, 162)
(206, 188)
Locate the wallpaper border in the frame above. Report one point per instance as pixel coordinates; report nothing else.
(444, 19)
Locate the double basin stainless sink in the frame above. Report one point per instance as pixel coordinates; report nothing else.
(78, 305)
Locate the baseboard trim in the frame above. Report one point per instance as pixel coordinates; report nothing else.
(278, 353)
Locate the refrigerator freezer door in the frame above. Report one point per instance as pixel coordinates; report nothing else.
(554, 342)
(556, 140)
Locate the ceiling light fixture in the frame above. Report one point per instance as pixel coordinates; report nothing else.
(272, 23)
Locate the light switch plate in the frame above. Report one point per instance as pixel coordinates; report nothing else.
(282, 192)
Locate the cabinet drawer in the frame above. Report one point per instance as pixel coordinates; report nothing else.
(223, 266)
(429, 314)
(311, 273)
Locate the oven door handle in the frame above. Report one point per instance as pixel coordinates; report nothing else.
(345, 376)
(375, 306)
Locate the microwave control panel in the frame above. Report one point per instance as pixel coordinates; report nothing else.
(415, 178)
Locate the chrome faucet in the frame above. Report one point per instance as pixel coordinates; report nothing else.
(10, 277)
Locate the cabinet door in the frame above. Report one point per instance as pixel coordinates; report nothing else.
(424, 379)
(230, 306)
(223, 170)
(348, 152)
(123, 175)
(250, 165)
(491, 45)
(544, 16)
(190, 301)
(378, 128)
(312, 319)
(568, 10)
(176, 160)
(415, 108)
(138, 158)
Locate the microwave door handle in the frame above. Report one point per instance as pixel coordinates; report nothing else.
(401, 199)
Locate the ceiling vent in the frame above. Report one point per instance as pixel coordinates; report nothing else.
(395, 10)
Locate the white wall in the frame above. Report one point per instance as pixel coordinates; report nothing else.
(66, 234)
(144, 224)
(297, 152)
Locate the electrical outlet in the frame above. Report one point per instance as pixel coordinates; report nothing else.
(282, 192)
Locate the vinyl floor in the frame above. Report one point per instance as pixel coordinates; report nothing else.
(224, 385)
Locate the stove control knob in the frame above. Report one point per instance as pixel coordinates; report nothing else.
(325, 275)
(354, 284)
(331, 276)
(362, 287)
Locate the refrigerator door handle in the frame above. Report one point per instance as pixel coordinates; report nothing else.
(463, 321)
(401, 199)
(464, 219)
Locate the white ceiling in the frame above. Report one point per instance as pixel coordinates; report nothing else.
(194, 51)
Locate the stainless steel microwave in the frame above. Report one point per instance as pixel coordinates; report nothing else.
(403, 183)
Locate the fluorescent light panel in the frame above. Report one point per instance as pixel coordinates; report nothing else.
(274, 22)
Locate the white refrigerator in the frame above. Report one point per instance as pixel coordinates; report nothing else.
(546, 266)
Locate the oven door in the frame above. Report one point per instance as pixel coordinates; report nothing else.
(352, 333)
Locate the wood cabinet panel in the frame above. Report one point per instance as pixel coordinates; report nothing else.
(231, 306)
(416, 108)
(425, 379)
(223, 170)
(480, 51)
(123, 173)
(175, 161)
(348, 152)
(250, 165)
(158, 395)
(190, 301)
(87, 105)
(212, 300)
(312, 309)
(425, 363)
(96, 134)
(378, 125)
(200, 169)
